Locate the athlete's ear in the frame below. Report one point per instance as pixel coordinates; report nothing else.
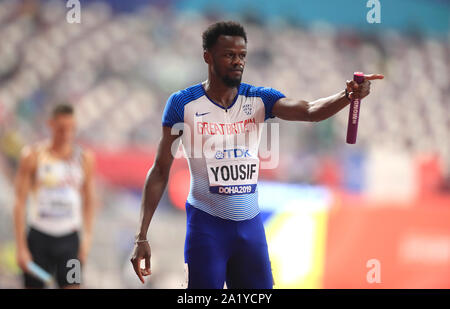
(207, 56)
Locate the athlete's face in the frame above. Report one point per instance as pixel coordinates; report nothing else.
(227, 58)
(63, 128)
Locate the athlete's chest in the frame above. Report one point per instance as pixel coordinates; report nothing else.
(206, 118)
(59, 173)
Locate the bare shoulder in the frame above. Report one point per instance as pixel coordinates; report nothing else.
(29, 153)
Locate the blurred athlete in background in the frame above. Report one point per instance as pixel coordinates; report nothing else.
(58, 174)
(225, 239)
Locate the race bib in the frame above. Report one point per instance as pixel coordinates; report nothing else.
(56, 203)
(232, 176)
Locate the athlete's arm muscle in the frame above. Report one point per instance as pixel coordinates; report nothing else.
(300, 110)
(23, 182)
(88, 198)
(289, 109)
(155, 184)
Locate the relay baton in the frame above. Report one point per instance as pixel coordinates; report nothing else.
(37, 271)
(353, 116)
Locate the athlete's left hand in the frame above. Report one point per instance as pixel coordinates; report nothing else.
(141, 252)
(360, 91)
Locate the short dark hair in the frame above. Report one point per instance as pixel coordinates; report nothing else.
(62, 109)
(213, 32)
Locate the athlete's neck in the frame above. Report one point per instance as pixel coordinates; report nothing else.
(219, 92)
(60, 150)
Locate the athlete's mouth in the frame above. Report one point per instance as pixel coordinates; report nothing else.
(237, 70)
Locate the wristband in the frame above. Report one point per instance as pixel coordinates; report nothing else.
(140, 241)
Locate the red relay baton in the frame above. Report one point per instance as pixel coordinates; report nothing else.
(353, 116)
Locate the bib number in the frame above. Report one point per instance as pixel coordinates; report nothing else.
(55, 203)
(233, 176)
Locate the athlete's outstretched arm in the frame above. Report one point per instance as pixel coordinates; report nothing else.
(321, 109)
(23, 181)
(155, 184)
(88, 197)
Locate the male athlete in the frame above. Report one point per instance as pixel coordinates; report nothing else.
(59, 175)
(225, 239)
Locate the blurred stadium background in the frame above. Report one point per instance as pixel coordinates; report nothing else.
(329, 207)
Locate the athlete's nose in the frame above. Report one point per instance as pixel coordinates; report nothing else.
(238, 63)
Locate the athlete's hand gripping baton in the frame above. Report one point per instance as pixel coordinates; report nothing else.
(39, 273)
(353, 116)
